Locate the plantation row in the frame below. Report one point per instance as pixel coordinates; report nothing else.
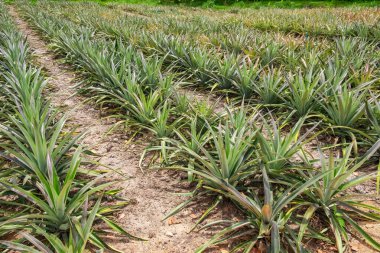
(337, 85)
(231, 35)
(334, 22)
(264, 161)
(49, 202)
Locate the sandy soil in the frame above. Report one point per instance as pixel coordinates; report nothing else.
(151, 191)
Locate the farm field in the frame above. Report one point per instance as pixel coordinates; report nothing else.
(133, 128)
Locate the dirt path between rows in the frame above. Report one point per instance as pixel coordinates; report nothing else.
(151, 191)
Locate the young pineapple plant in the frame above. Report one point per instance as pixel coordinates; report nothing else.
(268, 224)
(226, 72)
(278, 148)
(332, 198)
(247, 78)
(344, 107)
(304, 89)
(220, 152)
(271, 88)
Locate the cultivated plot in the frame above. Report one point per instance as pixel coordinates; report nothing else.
(198, 130)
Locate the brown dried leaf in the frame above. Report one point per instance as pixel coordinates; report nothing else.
(193, 216)
(173, 220)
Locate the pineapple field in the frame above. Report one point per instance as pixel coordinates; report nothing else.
(135, 128)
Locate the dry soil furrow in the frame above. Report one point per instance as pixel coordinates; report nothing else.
(152, 191)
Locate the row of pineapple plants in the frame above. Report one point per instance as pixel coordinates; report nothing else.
(278, 53)
(243, 156)
(334, 22)
(267, 50)
(336, 86)
(233, 38)
(49, 201)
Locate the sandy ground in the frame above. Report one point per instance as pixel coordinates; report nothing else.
(151, 191)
